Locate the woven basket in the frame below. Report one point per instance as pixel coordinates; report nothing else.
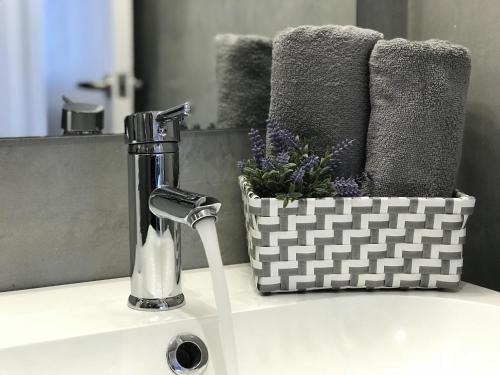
(360, 242)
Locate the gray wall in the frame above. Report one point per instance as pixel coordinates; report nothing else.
(63, 205)
(387, 16)
(63, 201)
(175, 53)
(474, 24)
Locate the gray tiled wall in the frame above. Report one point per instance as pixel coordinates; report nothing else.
(63, 205)
(63, 201)
(475, 25)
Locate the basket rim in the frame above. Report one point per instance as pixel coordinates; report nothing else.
(249, 193)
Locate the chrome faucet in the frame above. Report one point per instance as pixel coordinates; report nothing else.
(156, 208)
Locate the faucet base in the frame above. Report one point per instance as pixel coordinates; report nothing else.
(156, 304)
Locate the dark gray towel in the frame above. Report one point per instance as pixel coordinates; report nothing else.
(243, 72)
(319, 87)
(418, 92)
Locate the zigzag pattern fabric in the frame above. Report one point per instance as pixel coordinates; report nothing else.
(360, 242)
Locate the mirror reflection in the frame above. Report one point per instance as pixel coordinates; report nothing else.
(80, 66)
(120, 56)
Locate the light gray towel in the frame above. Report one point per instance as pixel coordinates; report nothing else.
(418, 92)
(243, 73)
(319, 87)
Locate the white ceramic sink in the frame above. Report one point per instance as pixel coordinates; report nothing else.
(88, 329)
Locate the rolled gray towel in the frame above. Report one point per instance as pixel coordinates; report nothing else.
(418, 92)
(319, 87)
(243, 73)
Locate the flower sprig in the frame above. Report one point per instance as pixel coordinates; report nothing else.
(290, 171)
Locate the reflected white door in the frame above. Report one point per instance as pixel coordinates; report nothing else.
(89, 46)
(122, 73)
(23, 104)
(49, 47)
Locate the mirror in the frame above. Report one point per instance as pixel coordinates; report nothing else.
(127, 56)
(81, 49)
(87, 49)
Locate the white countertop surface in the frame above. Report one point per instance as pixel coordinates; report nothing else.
(52, 313)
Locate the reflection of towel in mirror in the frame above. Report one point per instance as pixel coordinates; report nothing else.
(319, 87)
(418, 92)
(243, 73)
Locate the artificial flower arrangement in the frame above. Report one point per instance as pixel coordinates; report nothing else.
(352, 242)
(289, 170)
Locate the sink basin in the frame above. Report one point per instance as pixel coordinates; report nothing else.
(87, 329)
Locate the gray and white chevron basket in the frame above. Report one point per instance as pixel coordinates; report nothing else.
(355, 242)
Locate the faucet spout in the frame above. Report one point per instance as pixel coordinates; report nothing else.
(185, 207)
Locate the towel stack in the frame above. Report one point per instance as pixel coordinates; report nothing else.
(402, 102)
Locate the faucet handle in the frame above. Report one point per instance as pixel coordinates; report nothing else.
(174, 114)
(163, 126)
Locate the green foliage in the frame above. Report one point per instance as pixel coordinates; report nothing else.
(290, 171)
(280, 181)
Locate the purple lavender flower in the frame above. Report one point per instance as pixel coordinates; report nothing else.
(298, 175)
(280, 139)
(266, 165)
(347, 187)
(257, 146)
(288, 139)
(273, 136)
(337, 151)
(311, 162)
(282, 158)
(241, 165)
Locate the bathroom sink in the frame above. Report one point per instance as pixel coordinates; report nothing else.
(87, 328)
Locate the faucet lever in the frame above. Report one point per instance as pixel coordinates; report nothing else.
(175, 114)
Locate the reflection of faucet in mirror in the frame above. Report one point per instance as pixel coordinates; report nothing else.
(81, 118)
(157, 206)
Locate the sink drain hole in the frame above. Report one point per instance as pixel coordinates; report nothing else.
(188, 354)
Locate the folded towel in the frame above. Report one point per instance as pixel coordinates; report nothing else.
(319, 87)
(418, 92)
(243, 73)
